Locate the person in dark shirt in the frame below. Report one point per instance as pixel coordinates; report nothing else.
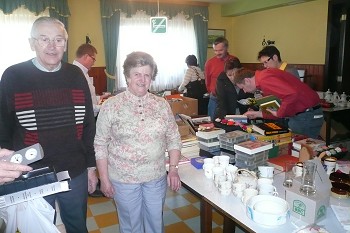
(227, 93)
(46, 101)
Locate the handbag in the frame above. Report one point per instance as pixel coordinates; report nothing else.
(196, 89)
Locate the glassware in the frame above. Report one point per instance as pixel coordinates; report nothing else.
(289, 175)
(308, 187)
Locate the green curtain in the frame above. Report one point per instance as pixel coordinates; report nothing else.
(57, 8)
(110, 13)
(110, 29)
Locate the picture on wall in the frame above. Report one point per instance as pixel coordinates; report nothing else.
(213, 34)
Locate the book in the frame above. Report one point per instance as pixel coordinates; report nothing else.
(252, 147)
(270, 128)
(311, 142)
(280, 161)
(237, 118)
(266, 99)
(272, 105)
(210, 133)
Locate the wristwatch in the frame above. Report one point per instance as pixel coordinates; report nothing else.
(175, 166)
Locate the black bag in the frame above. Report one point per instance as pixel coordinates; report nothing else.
(196, 89)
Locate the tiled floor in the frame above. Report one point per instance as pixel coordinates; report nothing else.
(181, 214)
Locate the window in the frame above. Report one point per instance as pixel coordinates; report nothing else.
(14, 44)
(169, 49)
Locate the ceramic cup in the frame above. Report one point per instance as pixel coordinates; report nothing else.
(329, 164)
(267, 189)
(298, 169)
(216, 160)
(247, 194)
(217, 171)
(219, 179)
(208, 170)
(208, 160)
(230, 172)
(224, 160)
(226, 184)
(262, 181)
(265, 172)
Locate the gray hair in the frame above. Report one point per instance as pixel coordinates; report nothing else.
(138, 59)
(46, 19)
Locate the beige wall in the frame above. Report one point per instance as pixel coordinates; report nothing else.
(299, 31)
(85, 20)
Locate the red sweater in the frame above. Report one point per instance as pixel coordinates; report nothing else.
(295, 95)
(213, 67)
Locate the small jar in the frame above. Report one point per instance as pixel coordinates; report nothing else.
(340, 190)
(339, 177)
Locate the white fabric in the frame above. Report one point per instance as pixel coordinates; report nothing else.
(90, 81)
(32, 216)
(14, 44)
(169, 49)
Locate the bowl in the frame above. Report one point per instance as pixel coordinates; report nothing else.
(268, 210)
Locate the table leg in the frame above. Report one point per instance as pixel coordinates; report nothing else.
(229, 225)
(206, 216)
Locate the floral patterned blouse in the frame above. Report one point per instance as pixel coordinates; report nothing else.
(133, 133)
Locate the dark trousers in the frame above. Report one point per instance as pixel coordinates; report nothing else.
(73, 204)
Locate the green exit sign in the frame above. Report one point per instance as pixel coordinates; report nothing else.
(158, 24)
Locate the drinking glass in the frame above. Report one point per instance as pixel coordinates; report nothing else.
(308, 187)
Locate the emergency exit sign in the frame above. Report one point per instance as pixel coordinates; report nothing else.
(158, 24)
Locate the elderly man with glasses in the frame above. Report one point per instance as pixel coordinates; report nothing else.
(270, 57)
(47, 101)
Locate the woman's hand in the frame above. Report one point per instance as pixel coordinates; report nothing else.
(107, 188)
(173, 179)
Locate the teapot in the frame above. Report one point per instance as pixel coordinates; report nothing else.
(336, 99)
(328, 96)
(343, 101)
(246, 177)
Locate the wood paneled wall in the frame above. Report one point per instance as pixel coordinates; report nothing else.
(314, 74)
(100, 79)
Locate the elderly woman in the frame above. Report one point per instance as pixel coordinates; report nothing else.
(134, 130)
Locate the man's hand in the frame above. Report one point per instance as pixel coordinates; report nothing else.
(253, 114)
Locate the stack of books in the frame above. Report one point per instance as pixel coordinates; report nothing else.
(270, 128)
(251, 154)
(208, 140)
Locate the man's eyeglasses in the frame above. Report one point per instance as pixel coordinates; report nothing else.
(45, 41)
(265, 62)
(93, 58)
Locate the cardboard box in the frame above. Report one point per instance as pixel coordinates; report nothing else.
(185, 105)
(310, 209)
(184, 129)
(337, 128)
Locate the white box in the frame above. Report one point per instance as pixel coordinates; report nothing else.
(310, 209)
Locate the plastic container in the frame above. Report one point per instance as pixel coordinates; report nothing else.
(210, 140)
(210, 149)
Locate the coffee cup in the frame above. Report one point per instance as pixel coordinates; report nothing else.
(329, 164)
(208, 170)
(224, 160)
(218, 171)
(219, 179)
(208, 160)
(264, 181)
(230, 172)
(265, 172)
(298, 169)
(247, 194)
(267, 189)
